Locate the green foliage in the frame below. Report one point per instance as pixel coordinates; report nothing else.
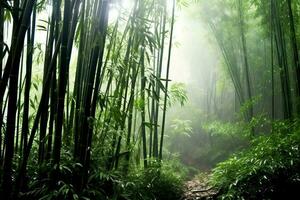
(237, 129)
(181, 127)
(159, 181)
(244, 109)
(203, 144)
(267, 170)
(178, 93)
(41, 187)
(240, 129)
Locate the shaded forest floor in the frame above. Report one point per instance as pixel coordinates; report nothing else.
(199, 189)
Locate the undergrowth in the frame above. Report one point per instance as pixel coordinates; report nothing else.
(269, 169)
(161, 180)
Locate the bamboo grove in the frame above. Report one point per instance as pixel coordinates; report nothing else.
(107, 105)
(259, 43)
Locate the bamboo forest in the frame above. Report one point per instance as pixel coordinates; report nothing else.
(149, 99)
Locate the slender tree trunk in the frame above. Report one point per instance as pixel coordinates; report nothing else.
(77, 86)
(158, 76)
(62, 84)
(245, 57)
(11, 73)
(73, 25)
(1, 39)
(102, 31)
(282, 61)
(272, 78)
(30, 48)
(167, 84)
(15, 53)
(143, 119)
(130, 116)
(272, 65)
(23, 166)
(295, 53)
(1, 66)
(52, 78)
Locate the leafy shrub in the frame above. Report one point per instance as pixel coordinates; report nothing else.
(269, 169)
(163, 182)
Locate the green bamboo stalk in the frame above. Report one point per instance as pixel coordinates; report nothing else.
(167, 82)
(15, 53)
(52, 78)
(294, 45)
(62, 84)
(282, 61)
(12, 74)
(26, 152)
(103, 33)
(45, 103)
(158, 77)
(143, 120)
(245, 58)
(1, 66)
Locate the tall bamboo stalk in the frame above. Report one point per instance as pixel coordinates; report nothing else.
(11, 73)
(167, 83)
(245, 58)
(294, 44)
(1, 66)
(62, 84)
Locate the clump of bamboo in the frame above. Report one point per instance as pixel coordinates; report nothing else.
(117, 72)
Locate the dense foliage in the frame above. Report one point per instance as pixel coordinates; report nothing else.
(83, 93)
(158, 181)
(269, 169)
(85, 86)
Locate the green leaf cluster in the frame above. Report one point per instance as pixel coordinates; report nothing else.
(267, 170)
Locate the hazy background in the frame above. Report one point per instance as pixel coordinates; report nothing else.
(197, 62)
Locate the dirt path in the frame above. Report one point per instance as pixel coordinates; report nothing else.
(199, 190)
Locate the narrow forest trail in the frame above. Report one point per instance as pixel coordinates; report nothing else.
(198, 189)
